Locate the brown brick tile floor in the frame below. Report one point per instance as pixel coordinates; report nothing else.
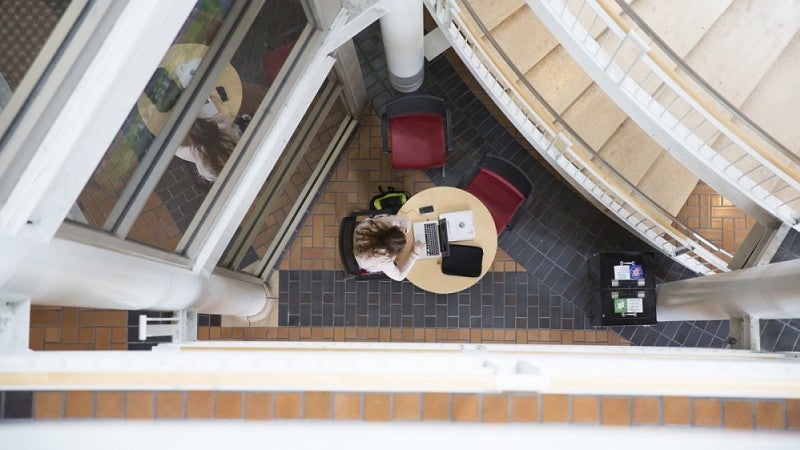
(715, 218)
(361, 169)
(741, 414)
(66, 328)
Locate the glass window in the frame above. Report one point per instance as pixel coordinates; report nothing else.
(25, 26)
(296, 177)
(185, 179)
(147, 117)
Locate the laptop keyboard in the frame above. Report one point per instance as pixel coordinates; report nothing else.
(432, 238)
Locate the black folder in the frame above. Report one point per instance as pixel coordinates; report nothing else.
(463, 261)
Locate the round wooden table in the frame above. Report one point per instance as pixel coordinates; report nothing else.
(182, 53)
(427, 273)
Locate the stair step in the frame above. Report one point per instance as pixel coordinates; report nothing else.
(558, 78)
(492, 12)
(594, 116)
(494, 18)
(775, 102)
(681, 24)
(668, 183)
(631, 151)
(524, 38)
(741, 46)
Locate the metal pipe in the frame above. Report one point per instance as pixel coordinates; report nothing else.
(79, 275)
(771, 291)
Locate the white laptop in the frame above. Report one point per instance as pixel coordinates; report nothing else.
(459, 225)
(185, 72)
(433, 235)
(208, 110)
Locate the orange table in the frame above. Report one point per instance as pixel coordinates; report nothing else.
(177, 55)
(427, 273)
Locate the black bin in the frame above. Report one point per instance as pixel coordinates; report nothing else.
(622, 289)
(622, 307)
(602, 270)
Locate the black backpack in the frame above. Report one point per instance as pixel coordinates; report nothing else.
(389, 199)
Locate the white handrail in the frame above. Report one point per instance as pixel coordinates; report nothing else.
(651, 223)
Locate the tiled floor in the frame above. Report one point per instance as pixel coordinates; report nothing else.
(715, 218)
(534, 293)
(180, 192)
(520, 408)
(25, 25)
(552, 240)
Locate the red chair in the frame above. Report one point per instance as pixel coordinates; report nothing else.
(502, 187)
(272, 62)
(416, 130)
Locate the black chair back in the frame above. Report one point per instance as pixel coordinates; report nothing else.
(347, 228)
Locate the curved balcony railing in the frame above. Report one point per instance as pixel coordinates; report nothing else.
(629, 61)
(567, 152)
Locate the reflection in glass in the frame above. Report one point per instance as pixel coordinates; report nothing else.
(145, 120)
(25, 25)
(268, 217)
(232, 101)
(231, 104)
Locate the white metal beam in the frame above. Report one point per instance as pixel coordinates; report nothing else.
(395, 367)
(771, 291)
(73, 274)
(351, 22)
(246, 179)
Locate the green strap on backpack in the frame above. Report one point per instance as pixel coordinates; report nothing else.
(388, 199)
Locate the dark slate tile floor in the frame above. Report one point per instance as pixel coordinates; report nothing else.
(553, 239)
(499, 300)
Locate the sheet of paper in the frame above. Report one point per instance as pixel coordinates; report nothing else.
(622, 273)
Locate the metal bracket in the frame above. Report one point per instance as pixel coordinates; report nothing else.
(182, 326)
(15, 321)
(745, 333)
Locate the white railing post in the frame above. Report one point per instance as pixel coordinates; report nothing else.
(182, 326)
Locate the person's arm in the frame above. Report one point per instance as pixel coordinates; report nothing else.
(222, 121)
(399, 272)
(186, 152)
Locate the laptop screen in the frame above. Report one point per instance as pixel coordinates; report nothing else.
(444, 243)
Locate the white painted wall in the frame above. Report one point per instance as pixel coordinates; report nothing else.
(352, 435)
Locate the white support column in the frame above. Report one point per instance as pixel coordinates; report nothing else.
(90, 90)
(403, 43)
(767, 292)
(73, 274)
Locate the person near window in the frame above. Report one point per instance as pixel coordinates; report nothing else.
(378, 241)
(208, 145)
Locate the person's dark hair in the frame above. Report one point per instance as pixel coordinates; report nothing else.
(379, 239)
(212, 143)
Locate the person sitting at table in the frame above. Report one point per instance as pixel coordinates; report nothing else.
(208, 145)
(377, 242)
